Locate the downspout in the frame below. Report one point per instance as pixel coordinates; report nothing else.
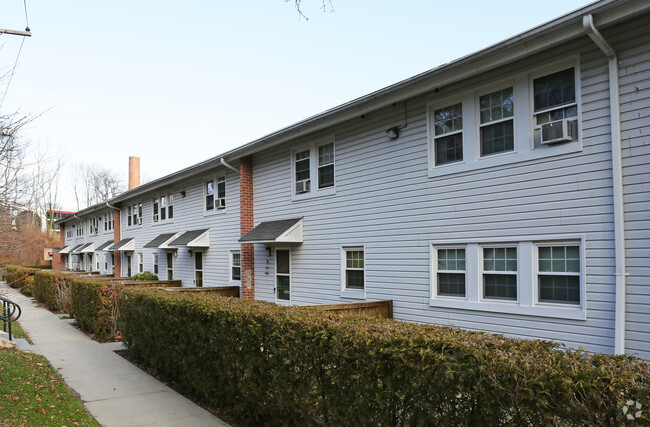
(617, 182)
(223, 162)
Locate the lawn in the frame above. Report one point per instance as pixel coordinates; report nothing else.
(31, 393)
(17, 331)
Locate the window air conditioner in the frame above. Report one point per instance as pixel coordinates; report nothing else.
(221, 203)
(155, 218)
(96, 230)
(302, 186)
(139, 221)
(557, 131)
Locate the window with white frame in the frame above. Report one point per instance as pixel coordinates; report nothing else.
(450, 276)
(500, 273)
(215, 193)
(496, 111)
(530, 277)
(235, 265)
(134, 214)
(80, 229)
(108, 221)
(140, 263)
(448, 134)
(314, 168)
(558, 273)
(555, 107)
(155, 264)
(354, 268)
(162, 208)
(170, 266)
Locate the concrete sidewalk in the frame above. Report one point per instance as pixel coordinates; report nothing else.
(113, 390)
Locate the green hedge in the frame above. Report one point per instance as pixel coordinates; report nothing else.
(53, 290)
(278, 365)
(95, 306)
(20, 278)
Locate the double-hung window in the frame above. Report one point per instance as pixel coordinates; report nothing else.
(163, 207)
(448, 131)
(134, 214)
(314, 168)
(108, 221)
(450, 276)
(155, 264)
(215, 194)
(500, 273)
(559, 274)
(156, 209)
(354, 268)
(496, 121)
(555, 107)
(235, 265)
(140, 263)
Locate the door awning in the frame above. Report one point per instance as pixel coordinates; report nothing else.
(162, 241)
(193, 239)
(65, 249)
(104, 246)
(75, 250)
(87, 248)
(126, 245)
(281, 231)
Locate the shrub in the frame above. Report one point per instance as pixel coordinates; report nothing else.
(53, 290)
(280, 365)
(20, 278)
(95, 306)
(146, 276)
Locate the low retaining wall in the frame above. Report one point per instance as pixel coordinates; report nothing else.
(372, 308)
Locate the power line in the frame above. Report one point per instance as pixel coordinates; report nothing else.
(12, 72)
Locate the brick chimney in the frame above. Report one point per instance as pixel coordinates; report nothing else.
(134, 172)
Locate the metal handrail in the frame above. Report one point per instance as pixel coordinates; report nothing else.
(9, 309)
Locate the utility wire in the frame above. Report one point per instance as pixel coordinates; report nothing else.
(26, 18)
(12, 72)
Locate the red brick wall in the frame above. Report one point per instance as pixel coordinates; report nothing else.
(116, 238)
(246, 225)
(58, 260)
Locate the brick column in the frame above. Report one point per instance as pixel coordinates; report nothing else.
(57, 258)
(117, 267)
(246, 225)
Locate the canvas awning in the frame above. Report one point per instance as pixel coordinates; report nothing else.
(281, 231)
(193, 239)
(126, 245)
(104, 246)
(65, 249)
(162, 241)
(87, 248)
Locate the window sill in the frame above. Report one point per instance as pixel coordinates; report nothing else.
(508, 158)
(215, 212)
(331, 191)
(353, 293)
(510, 307)
(165, 222)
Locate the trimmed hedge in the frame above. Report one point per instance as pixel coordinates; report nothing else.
(146, 276)
(278, 365)
(95, 306)
(53, 290)
(20, 278)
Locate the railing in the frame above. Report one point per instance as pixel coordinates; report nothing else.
(9, 310)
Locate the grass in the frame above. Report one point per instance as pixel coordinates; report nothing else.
(17, 331)
(32, 393)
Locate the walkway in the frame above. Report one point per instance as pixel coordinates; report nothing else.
(114, 391)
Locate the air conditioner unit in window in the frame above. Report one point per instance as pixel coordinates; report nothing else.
(221, 203)
(139, 221)
(155, 218)
(302, 186)
(557, 131)
(96, 230)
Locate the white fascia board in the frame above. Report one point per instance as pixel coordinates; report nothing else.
(292, 235)
(88, 249)
(203, 241)
(165, 245)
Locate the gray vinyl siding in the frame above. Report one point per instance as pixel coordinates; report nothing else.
(189, 215)
(385, 201)
(97, 239)
(634, 75)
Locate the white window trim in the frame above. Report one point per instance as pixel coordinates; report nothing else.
(231, 265)
(313, 170)
(202, 269)
(434, 271)
(214, 210)
(167, 219)
(527, 284)
(140, 221)
(524, 149)
(168, 267)
(275, 276)
(482, 271)
(353, 293)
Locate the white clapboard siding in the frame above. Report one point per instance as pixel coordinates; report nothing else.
(385, 201)
(189, 214)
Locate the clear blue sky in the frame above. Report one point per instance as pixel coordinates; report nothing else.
(178, 82)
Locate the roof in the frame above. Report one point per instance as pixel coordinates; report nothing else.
(103, 246)
(160, 240)
(521, 46)
(64, 250)
(280, 231)
(88, 247)
(194, 238)
(76, 248)
(123, 245)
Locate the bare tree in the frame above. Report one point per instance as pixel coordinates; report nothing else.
(92, 184)
(326, 6)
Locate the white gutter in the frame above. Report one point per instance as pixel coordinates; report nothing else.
(223, 162)
(617, 181)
